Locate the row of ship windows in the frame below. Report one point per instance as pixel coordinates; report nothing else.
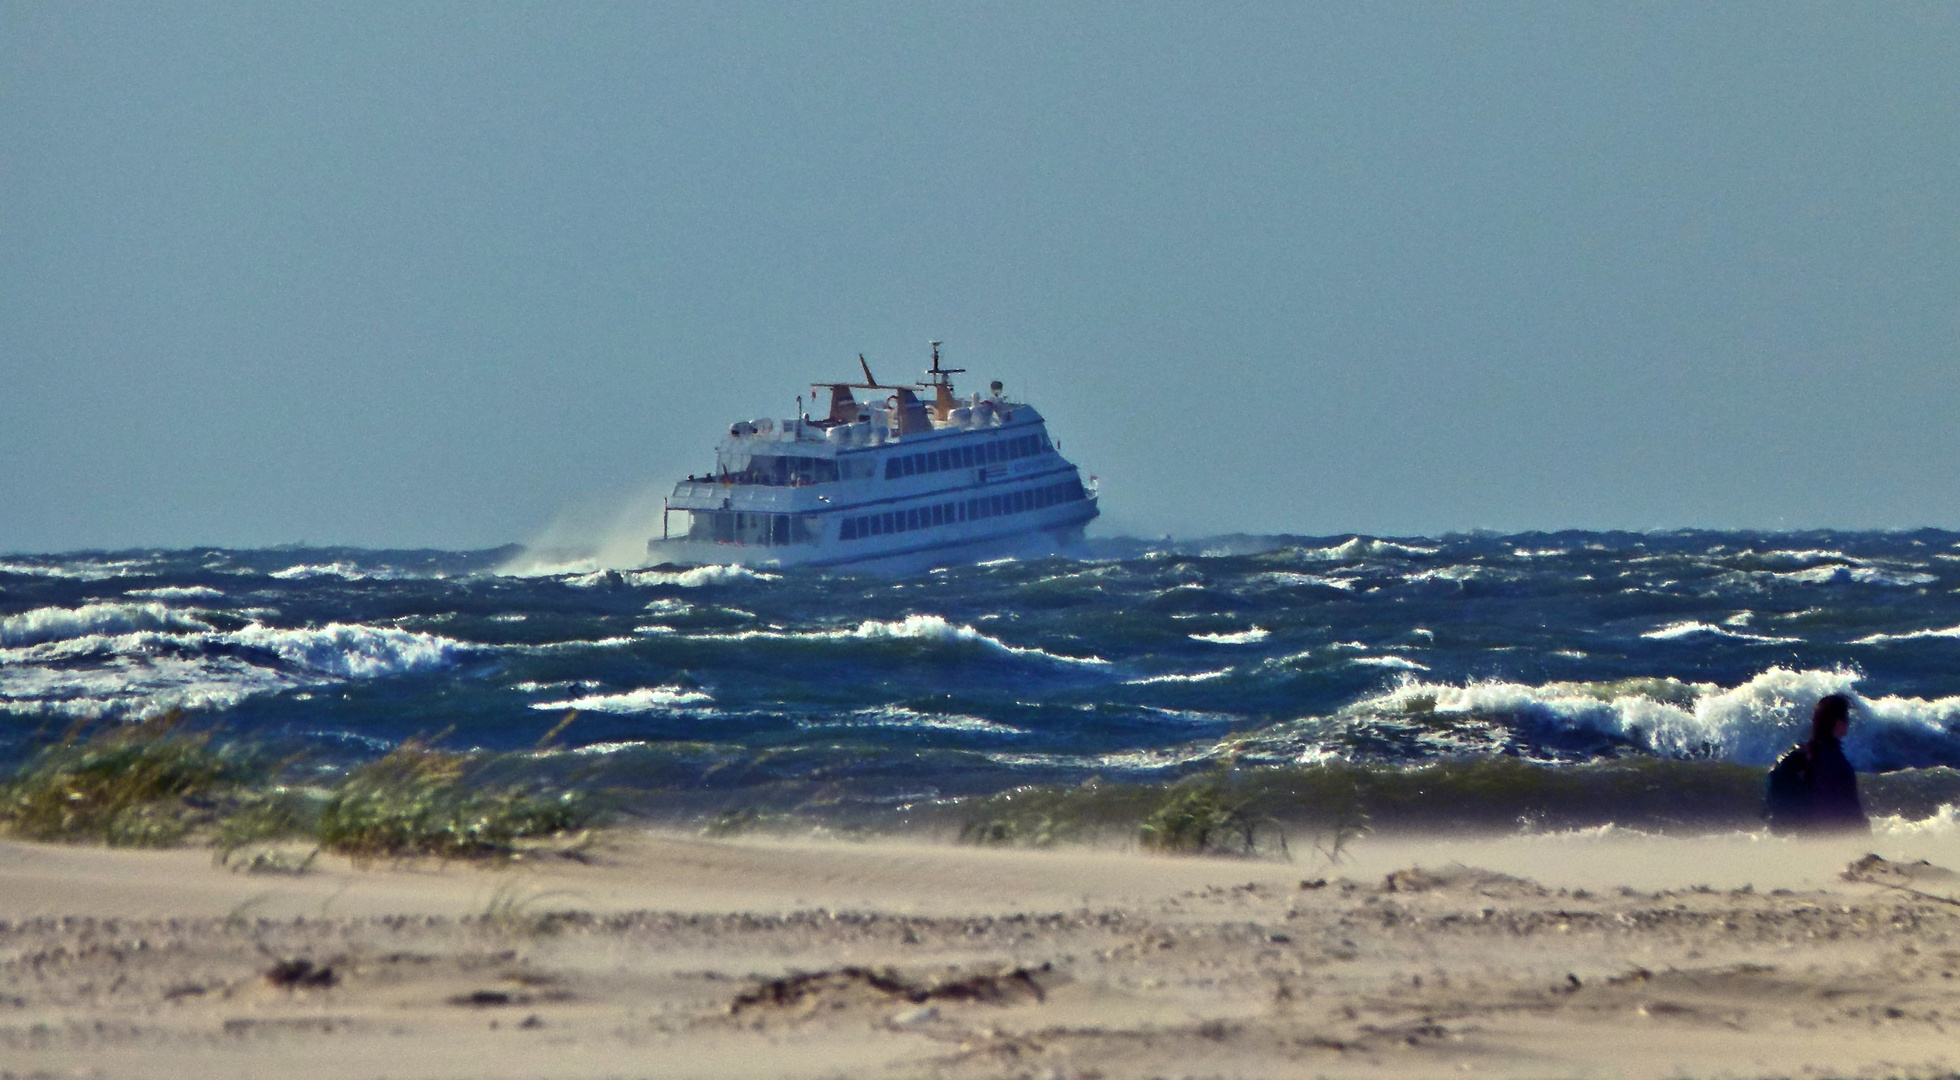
(950, 513)
(969, 456)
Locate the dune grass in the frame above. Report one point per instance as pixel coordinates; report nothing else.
(157, 783)
(148, 784)
(422, 801)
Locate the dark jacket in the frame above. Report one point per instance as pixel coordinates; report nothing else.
(1834, 805)
(1814, 790)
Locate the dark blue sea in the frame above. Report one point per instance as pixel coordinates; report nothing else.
(1138, 661)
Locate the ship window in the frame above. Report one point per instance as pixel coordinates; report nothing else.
(891, 468)
(965, 454)
(908, 465)
(993, 452)
(992, 502)
(912, 518)
(939, 515)
(849, 530)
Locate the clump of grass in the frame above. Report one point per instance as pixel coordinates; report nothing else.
(1203, 818)
(148, 784)
(418, 800)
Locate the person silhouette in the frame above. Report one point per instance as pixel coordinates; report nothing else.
(1813, 788)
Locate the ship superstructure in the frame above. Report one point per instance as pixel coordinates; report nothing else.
(908, 477)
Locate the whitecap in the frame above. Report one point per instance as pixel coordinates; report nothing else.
(898, 716)
(1243, 637)
(1402, 662)
(1201, 676)
(693, 578)
(79, 571)
(1752, 723)
(1915, 635)
(58, 623)
(305, 571)
(1362, 547)
(1462, 572)
(1942, 823)
(644, 700)
(351, 650)
(1857, 575)
(1283, 578)
(179, 592)
(1688, 629)
(923, 628)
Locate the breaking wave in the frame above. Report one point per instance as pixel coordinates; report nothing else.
(1751, 724)
(58, 624)
(1244, 637)
(925, 629)
(1691, 629)
(644, 700)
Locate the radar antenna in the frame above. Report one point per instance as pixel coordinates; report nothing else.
(942, 386)
(939, 374)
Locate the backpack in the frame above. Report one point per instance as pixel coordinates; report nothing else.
(1787, 802)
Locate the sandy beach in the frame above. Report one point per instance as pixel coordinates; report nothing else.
(1600, 954)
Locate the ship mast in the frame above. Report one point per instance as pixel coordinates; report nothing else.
(942, 386)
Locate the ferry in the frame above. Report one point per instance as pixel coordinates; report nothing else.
(910, 477)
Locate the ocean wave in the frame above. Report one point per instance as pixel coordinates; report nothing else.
(644, 700)
(346, 571)
(1361, 548)
(1856, 575)
(1284, 578)
(79, 571)
(177, 592)
(351, 651)
(935, 628)
(1692, 629)
(694, 578)
(898, 716)
(1243, 637)
(1914, 635)
(1201, 676)
(1943, 823)
(1401, 662)
(1751, 724)
(1461, 572)
(928, 629)
(57, 623)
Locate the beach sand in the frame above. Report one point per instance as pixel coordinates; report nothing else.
(1601, 954)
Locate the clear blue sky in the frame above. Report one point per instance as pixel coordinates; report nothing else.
(423, 274)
